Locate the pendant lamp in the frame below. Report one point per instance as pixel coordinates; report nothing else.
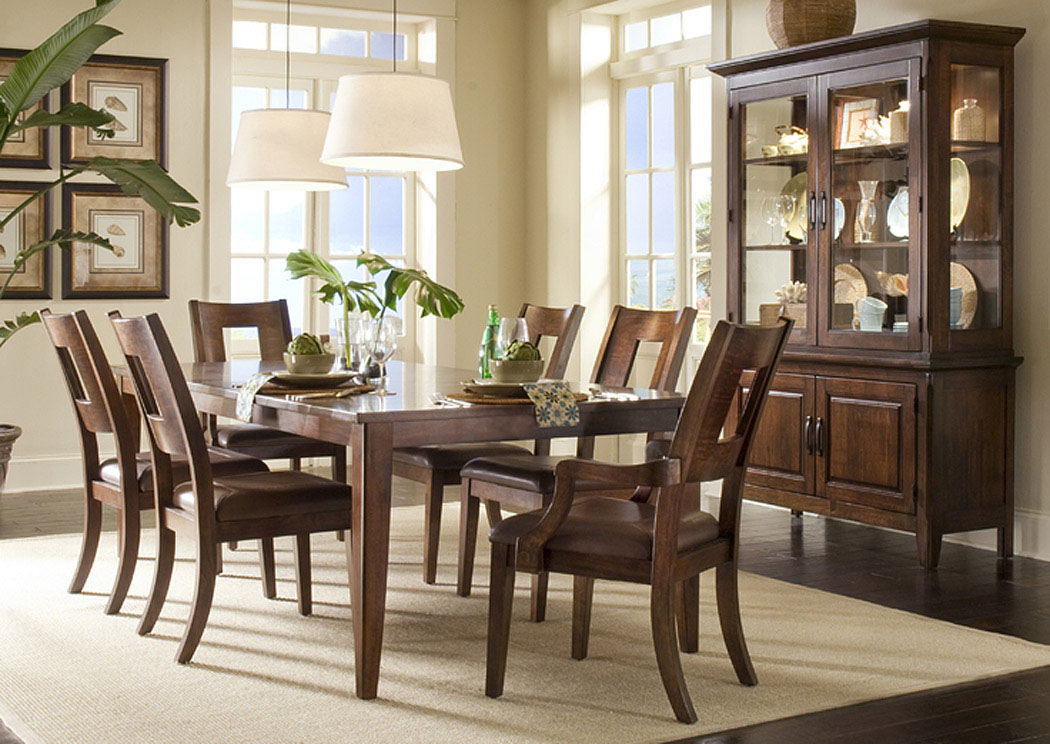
(281, 148)
(394, 121)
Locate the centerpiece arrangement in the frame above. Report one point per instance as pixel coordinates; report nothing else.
(31, 80)
(368, 342)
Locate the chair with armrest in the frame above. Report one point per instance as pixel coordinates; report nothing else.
(656, 538)
(439, 465)
(526, 483)
(213, 509)
(124, 482)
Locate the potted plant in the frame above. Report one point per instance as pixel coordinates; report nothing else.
(374, 298)
(45, 68)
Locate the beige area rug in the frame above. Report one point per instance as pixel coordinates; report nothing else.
(68, 673)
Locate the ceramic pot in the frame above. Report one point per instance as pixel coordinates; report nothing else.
(516, 370)
(794, 22)
(309, 364)
(8, 435)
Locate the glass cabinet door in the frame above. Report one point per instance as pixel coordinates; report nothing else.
(777, 186)
(868, 212)
(975, 215)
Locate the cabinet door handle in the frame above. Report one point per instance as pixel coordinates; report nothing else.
(808, 434)
(812, 210)
(823, 209)
(820, 437)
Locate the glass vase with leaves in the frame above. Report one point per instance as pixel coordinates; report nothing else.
(388, 284)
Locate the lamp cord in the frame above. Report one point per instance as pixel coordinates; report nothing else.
(393, 42)
(288, 54)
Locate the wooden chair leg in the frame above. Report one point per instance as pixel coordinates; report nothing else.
(302, 574)
(689, 615)
(493, 512)
(661, 610)
(203, 592)
(218, 559)
(729, 617)
(296, 463)
(468, 539)
(538, 597)
(129, 555)
(267, 568)
(435, 490)
(88, 543)
(233, 545)
(501, 599)
(582, 597)
(340, 536)
(161, 579)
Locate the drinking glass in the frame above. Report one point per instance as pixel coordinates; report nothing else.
(785, 204)
(510, 330)
(381, 343)
(866, 216)
(771, 217)
(352, 338)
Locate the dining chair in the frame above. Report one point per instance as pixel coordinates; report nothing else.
(124, 482)
(526, 483)
(655, 538)
(214, 509)
(438, 466)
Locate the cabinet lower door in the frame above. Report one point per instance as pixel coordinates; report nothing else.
(782, 453)
(866, 443)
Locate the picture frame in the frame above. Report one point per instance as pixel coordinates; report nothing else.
(33, 224)
(138, 268)
(30, 148)
(852, 117)
(135, 91)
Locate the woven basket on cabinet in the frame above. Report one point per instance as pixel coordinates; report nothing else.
(794, 22)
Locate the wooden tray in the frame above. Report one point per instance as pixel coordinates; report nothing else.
(492, 400)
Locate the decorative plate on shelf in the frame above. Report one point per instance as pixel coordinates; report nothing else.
(961, 277)
(850, 285)
(328, 380)
(897, 214)
(796, 188)
(840, 217)
(960, 191)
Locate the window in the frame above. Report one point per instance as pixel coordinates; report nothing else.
(375, 212)
(666, 170)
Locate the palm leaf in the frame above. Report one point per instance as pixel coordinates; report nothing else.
(433, 298)
(353, 295)
(147, 179)
(71, 115)
(53, 63)
(9, 328)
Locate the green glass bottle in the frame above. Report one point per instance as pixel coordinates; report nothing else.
(487, 352)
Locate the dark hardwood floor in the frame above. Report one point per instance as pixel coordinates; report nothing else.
(971, 587)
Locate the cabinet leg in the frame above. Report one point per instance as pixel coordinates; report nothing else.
(1006, 541)
(796, 514)
(929, 541)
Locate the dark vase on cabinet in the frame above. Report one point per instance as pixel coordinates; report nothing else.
(894, 404)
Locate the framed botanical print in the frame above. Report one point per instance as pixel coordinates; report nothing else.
(134, 91)
(853, 116)
(32, 281)
(138, 264)
(30, 148)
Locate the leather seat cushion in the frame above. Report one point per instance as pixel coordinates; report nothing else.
(454, 456)
(264, 442)
(600, 525)
(223, 462)
(525, 473)
(261, 495)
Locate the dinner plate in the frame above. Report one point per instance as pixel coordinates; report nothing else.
(960, 276)
(897, 214)
(328, 380)
(497, 389)
(799, 223)
(960, 191)
(850, 284)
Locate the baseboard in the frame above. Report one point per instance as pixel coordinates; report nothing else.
(50, 472)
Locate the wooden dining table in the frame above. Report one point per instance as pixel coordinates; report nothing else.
(372, 425)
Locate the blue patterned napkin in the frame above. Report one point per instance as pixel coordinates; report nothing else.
(246, 395)
(555, 404)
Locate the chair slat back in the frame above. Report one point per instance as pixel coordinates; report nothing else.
(94, 402)
(559, 323)
(209, 321)
(628, 328)
(706, 452)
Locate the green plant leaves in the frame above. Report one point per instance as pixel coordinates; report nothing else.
(147, 179)
(53, 63)
(431, 297)
(353, 295)
(71, 115)
(9, 328)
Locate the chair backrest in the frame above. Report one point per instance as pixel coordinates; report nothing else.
(209, 320)
(560, 323)
(706, 452)
(166, 404)
(628, 328)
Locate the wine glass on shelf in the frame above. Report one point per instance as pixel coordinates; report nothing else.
(510, 330)
(771, 217)
(866, 216)
(785, 204)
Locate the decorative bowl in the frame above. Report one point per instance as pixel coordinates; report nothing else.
(309, 364)
(512, 370)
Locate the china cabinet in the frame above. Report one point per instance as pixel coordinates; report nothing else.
(894, 404)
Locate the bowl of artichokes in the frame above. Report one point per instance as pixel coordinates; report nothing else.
(306, 356)
(521, 362)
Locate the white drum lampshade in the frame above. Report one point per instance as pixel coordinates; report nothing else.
(280, 149)
(396, 121)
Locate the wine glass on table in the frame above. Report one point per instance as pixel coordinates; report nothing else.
(510, 330)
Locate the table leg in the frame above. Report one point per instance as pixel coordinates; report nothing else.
(369, 548)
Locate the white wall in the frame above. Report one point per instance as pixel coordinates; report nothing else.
(489, 209)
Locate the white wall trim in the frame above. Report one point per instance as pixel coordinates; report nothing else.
(45, 473)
